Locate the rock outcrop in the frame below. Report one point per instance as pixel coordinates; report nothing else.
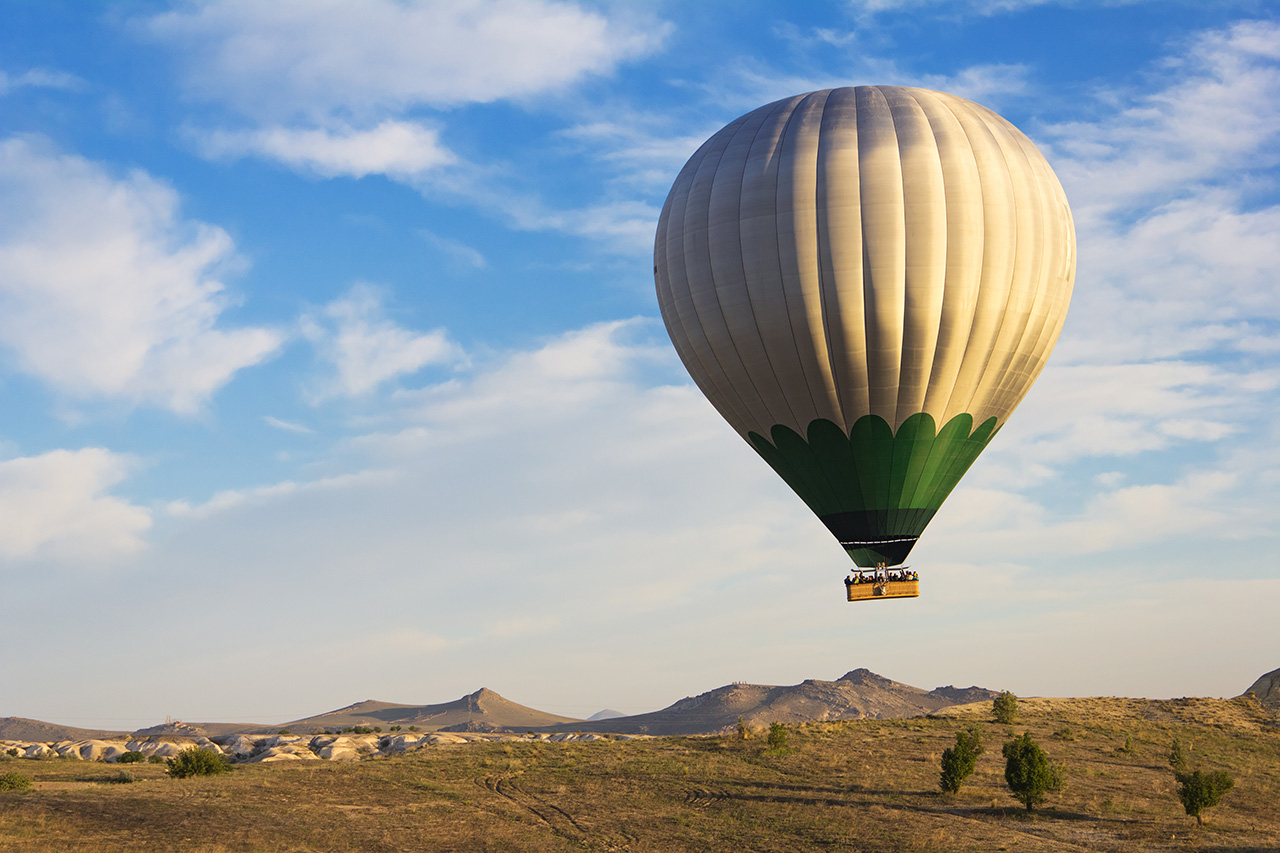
(261, 749)
(1267, 689)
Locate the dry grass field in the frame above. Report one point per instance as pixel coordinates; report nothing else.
(865, 785)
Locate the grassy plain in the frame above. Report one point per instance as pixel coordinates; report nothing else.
(867, 785)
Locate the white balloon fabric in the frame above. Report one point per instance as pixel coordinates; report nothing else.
(884, 264)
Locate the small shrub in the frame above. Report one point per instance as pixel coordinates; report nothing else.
(12, 752)
(777, 739)
(154, 759)
(197, 762)
(1127, 749)
(130, 757)
(122, 778)
(958, 761)
(14, 782)
(1178, 757)
(1065, 733)
(1005, 708)
(413, 728)
(1199, 790)
(1029, 773)
(284, 732)
(744, 731)
(395, 728)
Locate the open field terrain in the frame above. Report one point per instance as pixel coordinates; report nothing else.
(852, 785)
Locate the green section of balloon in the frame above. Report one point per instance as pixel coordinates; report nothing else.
(874, 490)
(865, 282)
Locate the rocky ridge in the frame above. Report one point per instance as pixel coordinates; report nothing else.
(1267, 689)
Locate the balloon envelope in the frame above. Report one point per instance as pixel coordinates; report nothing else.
(865, 282)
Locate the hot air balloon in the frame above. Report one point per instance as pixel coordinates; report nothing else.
(865, 282)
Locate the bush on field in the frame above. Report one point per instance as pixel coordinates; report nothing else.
(1005, 708)
(1029, 773)
(130, 757)
(14, 782)
(197, 762)
(777, 738)
(1199, 790)
(958, 761)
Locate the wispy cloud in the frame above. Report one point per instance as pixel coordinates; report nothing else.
(365, 349)
(867, 9)
(287, 426)
(365, 57)
(1167, 339)
(106, 291)
(338, 89)
(460, 252)
(38, 78)
(399, 149)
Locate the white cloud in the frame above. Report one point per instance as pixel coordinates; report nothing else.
(953, 9)
(38, 78)
(1196, 507)
(1077, 411)
(230, 499)
(366, 349)
(749, 83)
(467, 256)
(105, 291)
(57, 505)
(287, 426)
(1178, 238)
(399, 149)
(1216, 115)
(362, 57)
(333, 84)
(586, 367)
(641, 148)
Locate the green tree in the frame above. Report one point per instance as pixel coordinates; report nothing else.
(1199, 790)
(744, 731)
(1005, 708)
(1029, 773)
(197, 762)
(777, 739)
(958, 761)
(1178, 757)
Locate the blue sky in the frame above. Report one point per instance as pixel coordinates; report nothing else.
(332, 369)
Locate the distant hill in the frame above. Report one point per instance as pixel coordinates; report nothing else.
(856, 695)
(606, 714)
(35, 731)
(1267, 689)
(483, 710)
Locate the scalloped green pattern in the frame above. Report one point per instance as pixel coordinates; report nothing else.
(874, 490)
